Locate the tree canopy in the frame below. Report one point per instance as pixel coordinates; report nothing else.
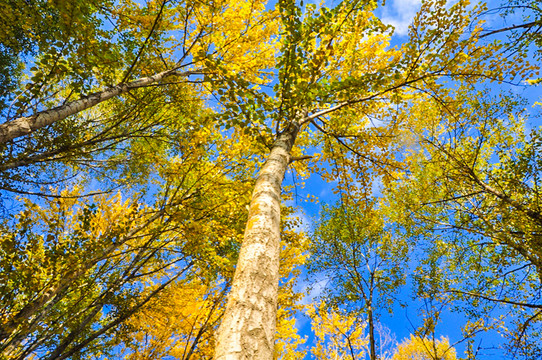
(143, 150)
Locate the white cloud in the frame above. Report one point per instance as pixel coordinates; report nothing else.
(400, 14)
(312, 290)
(305, 223)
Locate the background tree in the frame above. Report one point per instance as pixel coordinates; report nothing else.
(362, 263)
(149, 115)
(471, 199)
(522, 25)
(91, 263)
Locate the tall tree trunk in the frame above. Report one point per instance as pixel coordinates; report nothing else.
(25, 125)
(372, 338)
(247, 330)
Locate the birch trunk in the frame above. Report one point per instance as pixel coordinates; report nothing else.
(247, 330)
(25, 125)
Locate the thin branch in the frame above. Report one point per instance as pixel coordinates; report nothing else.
(503, 301)
(156, 20)
(514, 27)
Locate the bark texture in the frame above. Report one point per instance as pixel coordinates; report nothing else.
(25, 125)
(247, 330)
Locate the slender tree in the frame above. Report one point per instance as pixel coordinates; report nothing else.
(361, 261)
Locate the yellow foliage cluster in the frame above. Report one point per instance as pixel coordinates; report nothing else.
(338, 335)
(182, 319)
(240, 37)
(356, 53)
(177, 323)
(416, 348)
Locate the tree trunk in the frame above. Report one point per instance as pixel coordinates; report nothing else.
(372, 338)
(25, 125)
(247, 330)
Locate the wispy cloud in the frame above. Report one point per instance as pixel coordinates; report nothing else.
(312, 289)
(305, 222)
(400, 14)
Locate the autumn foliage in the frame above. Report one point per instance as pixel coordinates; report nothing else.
(197, 179)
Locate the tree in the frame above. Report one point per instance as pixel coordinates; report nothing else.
(246, 330)
(181, 321)
(361, 261)
(92, 263)
(139, 118)
(525, 32)
(479, 227)
(143, 26)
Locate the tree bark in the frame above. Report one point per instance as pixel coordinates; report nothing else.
(247, 330)
(26, 125)
(372, 338)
